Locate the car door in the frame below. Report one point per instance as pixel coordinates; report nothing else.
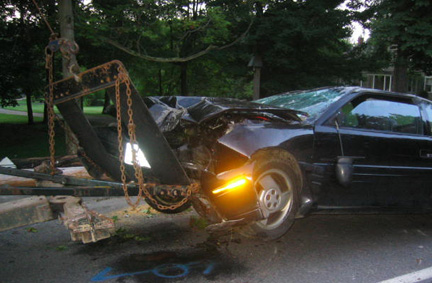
(426, 146)
(384, 136)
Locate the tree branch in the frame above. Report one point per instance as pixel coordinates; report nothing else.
(189, 32)
(177, 59)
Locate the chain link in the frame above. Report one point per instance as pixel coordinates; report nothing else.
(76, 144)
(50, 109)
(123, 77)
(49, 58)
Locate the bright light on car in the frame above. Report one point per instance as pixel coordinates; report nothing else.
(236, 183)
(141, 159)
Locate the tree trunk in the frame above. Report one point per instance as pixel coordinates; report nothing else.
(183, 79)
(256, 83)
(400, 74)
(29, 108)
(45, 114)
(107, 102)
(67, 32)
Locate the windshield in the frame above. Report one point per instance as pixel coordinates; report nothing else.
(313, 102)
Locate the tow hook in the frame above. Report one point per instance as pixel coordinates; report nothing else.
(83, 224)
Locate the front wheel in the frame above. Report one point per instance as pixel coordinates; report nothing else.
(277, 185)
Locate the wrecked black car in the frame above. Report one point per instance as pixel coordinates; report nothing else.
(258, 165)
(262, 164)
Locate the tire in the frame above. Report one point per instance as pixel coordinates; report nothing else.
(277, 183)
(165, 201)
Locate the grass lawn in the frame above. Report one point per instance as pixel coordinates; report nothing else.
(15, 119)
(23, 141)
(19, 140)
(39, 107)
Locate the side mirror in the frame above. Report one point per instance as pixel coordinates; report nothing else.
(344, 170)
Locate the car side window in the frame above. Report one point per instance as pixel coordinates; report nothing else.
(382, 115)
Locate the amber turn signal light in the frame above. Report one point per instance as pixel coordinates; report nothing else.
(234, 184)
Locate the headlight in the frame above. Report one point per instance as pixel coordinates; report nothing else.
(141, 159)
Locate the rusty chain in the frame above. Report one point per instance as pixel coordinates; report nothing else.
(50, 109)
(76, 144)
(123, 77)
(51, 114)
(66, 48)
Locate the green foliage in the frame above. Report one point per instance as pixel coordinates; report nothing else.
(95, 99)
(19, 140)
(22, 42)
(124, 235)
(61, 248)
(32, 230)
(302, 45)
(39, 108)
(165, 29)
(15, 119)
(406, 26)
(198, 222)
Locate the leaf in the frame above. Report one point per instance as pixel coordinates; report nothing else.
(32, 230)
(61, 248)
(142, 238)
(198, 222)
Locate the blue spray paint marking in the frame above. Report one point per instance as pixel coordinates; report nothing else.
(171, 266)
(158, 271)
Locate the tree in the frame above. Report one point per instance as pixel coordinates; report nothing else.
(182, 46)
(302, 45)
(22, 43)
(405, 27)
(171, 32)
(202, 47)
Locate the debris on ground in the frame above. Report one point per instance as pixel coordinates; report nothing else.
(32, 230)
(6, 162)
(198, 223)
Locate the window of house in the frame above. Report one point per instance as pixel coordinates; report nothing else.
(382, 115)
(428, 84)
(428, 118)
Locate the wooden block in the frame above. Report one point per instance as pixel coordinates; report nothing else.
(24, 212)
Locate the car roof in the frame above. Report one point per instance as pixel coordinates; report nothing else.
(348, 93)
(352, 89)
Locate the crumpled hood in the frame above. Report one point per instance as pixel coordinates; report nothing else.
(168, 111)
(250, 136)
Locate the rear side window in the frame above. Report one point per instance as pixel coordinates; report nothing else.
(382, 115)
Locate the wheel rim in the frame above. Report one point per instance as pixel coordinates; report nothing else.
(275, 197)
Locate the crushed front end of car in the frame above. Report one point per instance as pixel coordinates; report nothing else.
(216, 141)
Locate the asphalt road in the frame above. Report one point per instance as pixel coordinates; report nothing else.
(168, 248)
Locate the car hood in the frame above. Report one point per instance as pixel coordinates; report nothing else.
(169, 111)
(249, 136)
